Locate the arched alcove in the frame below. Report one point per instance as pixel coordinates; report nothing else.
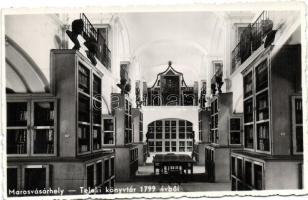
(22, 73)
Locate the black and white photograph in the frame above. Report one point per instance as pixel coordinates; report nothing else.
(174, 101)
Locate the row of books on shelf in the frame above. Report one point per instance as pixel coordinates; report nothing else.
(263, 115)
(263, 132)
(298, 105)
(21, 137)
(21, 115)
(50, 149)
(83, 81)
(263, 145)
(298, 111)
(83, 70)
(21, 148)
(248, 108)
(83, 132)
(17, 149)
(96, 146)
(50, 135)
(262, 104)
(84, 148)
(96, 132)
(248, 88)
(108, 141)
(249, 132)
(45, 116)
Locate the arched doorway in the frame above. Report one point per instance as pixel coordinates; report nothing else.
(170, 135)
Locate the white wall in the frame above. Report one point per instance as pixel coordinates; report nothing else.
(36, 35)
(237, 90)
(154, 113)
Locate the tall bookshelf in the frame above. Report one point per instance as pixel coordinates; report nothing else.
(260, 100)
(223, 129)
(78, 85)
(214, 133)
(138, 136)
(204, 131)
(125, 160)
(272, 112)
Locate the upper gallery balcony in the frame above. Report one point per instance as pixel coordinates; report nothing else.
(89, 33)
(251, 39)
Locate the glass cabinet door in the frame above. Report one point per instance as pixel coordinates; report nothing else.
(297, 124)
(248, 85)
(18, 121)
(108, 129)
(261, 74)
(43, 136)
(31, 127)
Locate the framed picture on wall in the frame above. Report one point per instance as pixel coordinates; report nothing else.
(217, 66)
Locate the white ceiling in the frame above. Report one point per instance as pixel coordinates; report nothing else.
(146, 28)
(185, 38)
(182, 37)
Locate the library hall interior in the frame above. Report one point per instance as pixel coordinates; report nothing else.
(182, 101)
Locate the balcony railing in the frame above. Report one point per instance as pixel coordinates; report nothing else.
(251, 39)
(90, 33)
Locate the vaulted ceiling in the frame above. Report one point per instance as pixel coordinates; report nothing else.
(188, 39)
(182, 37)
